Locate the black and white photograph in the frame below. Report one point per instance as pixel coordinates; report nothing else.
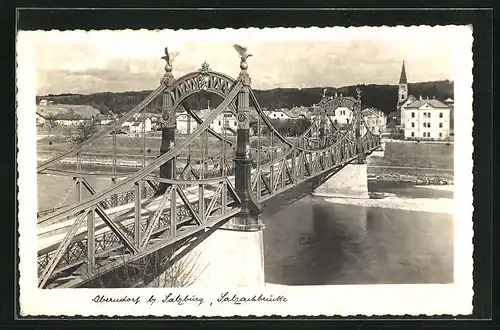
(246, 171)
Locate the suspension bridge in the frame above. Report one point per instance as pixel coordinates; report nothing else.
(204, 182)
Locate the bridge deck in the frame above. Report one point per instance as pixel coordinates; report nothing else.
(50, 236)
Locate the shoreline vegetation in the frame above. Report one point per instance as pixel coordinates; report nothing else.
(417, 163)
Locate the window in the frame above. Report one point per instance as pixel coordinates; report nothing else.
(235, 124)
(219, 122)
(412, 134)
(429, 114)
(440, 135)
(402, 96)
(412, 125)
(428, 125)
(281, 115)
(413, 115)
(440, 126)
(425, 114)
(347, 121)
(274, 115)
(440, 115)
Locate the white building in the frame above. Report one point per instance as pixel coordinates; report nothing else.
(40, 119)
(226, 120)
(343, 116)
(185, 123)
(138, 127)
(69, 122)
(375, 120)
(278, 114)
(426, 119)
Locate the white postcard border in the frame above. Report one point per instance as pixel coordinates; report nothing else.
(435, 299)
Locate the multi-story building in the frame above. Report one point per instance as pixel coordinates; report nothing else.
(375, 119)
(225, 121)
(427, 119)
(185, 123)
(138, 127)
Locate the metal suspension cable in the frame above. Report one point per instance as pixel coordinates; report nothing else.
(285, 140)
(154, 165)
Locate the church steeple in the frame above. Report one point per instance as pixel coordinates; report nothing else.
(403, 86)
(402, 79)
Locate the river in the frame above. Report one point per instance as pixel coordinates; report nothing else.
(404, 238)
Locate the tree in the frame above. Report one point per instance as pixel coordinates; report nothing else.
(86, 129)
(49, 125)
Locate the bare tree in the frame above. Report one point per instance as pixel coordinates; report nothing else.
(49, 125)
(178, 272)
(169, 269)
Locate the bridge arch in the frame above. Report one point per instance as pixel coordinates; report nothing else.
(203, 80)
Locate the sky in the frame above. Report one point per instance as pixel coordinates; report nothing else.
(113, 61)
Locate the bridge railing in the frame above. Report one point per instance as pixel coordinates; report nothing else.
(168, 216)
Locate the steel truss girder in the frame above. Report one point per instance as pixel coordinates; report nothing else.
(224, 187)
(308, 164)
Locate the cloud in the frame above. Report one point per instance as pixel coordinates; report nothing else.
(121, 61)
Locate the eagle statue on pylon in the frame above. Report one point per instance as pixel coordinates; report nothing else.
(243, 52)
(169, 57)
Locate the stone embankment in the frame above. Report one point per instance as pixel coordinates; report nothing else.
(420, 179)
(417, 163)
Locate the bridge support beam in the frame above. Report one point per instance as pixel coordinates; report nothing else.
(167, 170)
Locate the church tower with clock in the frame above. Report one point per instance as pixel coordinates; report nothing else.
(403, 86)
(403, 96)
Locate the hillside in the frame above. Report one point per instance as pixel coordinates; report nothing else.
(382, 97)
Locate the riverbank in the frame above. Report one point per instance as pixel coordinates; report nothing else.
(427, 204)
(417, 163)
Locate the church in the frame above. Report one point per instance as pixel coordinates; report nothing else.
(403, 98)
(421, 119)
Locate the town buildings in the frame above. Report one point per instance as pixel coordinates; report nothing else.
(225, 121)
(427, 119)
(137, 128)
(375, 120)
(421, 119)
(185, 123)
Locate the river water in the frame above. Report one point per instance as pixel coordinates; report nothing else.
(404, 238)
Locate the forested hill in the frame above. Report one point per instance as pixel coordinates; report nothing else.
(383, 97)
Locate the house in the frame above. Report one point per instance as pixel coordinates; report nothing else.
(105, 119)
(342, 115)
(40, 119)
(426, 119)
(375, 120)
(185, 123)
(278, 114)
(226, 121)
(451, 103)
(138, 127)
(68, 119)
